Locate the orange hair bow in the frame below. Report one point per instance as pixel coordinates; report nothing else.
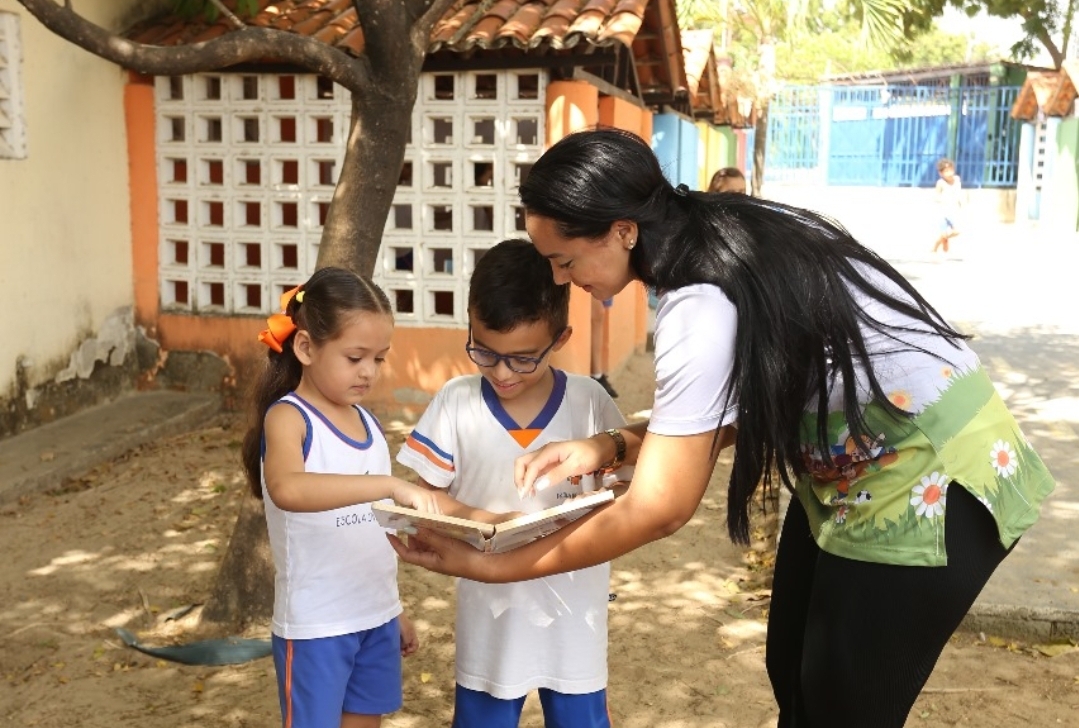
(280, 325)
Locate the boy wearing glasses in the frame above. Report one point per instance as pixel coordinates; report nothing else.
(547, 634)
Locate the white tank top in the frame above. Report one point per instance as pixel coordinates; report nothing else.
(335, 571)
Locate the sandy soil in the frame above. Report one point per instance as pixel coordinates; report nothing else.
(138, 538)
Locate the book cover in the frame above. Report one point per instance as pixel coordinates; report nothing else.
(493, 537)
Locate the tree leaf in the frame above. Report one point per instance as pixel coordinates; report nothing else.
(1055, 650)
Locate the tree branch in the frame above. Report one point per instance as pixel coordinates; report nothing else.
(248, 44)
(229, 15)
(1047, 40)
(428, 12)
(1066, 34)
(385, 23)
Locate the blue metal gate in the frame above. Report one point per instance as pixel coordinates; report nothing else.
(892, 135)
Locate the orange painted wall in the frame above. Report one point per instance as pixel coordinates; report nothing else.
(142, 168)
(572, 106)
(620, 114)
(628, 317)
(646, 127)
(420, 360)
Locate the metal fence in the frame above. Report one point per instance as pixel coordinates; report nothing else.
(892, 135)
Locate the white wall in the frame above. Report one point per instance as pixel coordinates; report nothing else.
(65, 232)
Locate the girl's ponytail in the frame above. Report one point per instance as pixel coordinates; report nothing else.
(280, 376)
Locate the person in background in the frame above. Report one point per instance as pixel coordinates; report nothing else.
(728, 179)
(949, 192)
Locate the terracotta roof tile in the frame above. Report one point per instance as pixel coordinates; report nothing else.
(1062, 100)
(452, 22)
(353, 41)
(622, 27)
(1036, 91)
(697, 51)
(468, 24)
(521, 26)
(1044, 85)
(487, 25)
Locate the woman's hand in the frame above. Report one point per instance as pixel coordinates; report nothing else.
(410, 640)
(415, 496)
(557, 461)
(443, 555)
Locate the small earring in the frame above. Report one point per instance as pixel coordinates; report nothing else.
(631, 244)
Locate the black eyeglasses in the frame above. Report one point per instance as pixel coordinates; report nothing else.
(520, 364)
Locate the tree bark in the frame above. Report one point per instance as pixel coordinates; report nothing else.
(243, 591)
(1055, 53)
(760, 147)
(765, 88)
(352, 234)
(248, 45)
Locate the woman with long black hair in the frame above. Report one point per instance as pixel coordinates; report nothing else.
(779, 333)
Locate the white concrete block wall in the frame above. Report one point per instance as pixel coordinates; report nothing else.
(247, 166)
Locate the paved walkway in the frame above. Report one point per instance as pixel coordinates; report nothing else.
(1013, 287)
(41, 458)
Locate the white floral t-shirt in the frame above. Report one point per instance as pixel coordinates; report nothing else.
(884, 502)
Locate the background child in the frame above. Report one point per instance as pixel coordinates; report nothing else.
(728, 179)
(950, 198)
(548, 634)
(338, 628)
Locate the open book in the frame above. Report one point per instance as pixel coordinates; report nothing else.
(493, 537)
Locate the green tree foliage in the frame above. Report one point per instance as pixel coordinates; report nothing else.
(1048, 22)
(837, 49)
(814, 42)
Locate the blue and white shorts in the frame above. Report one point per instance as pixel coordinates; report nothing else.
(319, 679)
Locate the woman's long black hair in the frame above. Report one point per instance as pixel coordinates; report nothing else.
(788, 271)
(329, 297)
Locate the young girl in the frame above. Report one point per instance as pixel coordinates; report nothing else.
(338, 628)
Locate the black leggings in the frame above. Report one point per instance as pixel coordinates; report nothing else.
(851, 643)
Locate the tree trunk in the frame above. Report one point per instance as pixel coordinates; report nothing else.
(766, 82)
(760, 147)
(243, 592)
(352, 235)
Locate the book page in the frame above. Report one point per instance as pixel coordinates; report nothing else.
(475, 533)
(525, 529)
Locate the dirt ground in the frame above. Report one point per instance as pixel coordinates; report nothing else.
(135, 540)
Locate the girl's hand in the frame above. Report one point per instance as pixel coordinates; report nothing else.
(410, 640)
(557, 461)
(415, 496)
(442, 554)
